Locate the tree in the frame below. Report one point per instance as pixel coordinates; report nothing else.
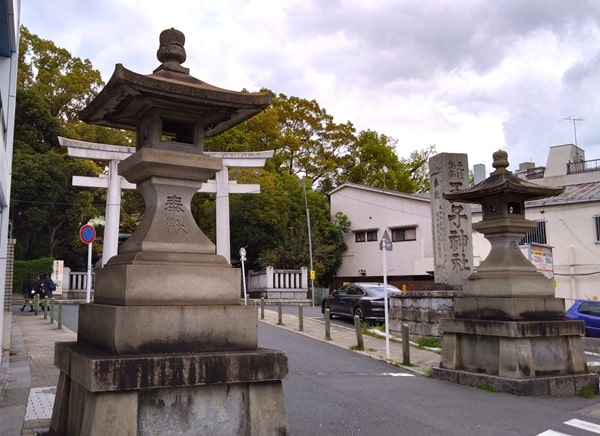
(67, 83)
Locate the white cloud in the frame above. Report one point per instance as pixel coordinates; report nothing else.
(467, 75)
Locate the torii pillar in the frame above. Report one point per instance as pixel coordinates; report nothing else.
(114, 183)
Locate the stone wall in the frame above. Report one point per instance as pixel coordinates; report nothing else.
(421, 311)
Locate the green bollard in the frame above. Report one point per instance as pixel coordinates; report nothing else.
(405, 345)
(52, 311)
(359, 336)
(279, 314)
(262, 307)
(327, 325)
(300, 318)
(59, 315)
(36, 304)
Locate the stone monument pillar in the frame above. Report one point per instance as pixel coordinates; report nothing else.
(453, 247)
(167, 347)
(509, 331)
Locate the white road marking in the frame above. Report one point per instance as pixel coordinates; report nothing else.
(584, 425)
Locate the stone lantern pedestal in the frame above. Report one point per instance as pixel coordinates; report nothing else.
(167, 347)
(509, 332)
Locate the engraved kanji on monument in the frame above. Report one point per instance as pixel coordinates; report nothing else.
(451, 221)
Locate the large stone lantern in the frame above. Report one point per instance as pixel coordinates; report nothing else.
(167, 347)
(509, 331)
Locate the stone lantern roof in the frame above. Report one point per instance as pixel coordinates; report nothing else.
(503, 182)
(129, 98)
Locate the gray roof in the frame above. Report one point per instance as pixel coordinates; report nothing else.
(583, 192)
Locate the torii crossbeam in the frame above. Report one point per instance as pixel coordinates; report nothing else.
(114, 183)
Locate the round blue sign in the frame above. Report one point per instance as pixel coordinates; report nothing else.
(87, 233)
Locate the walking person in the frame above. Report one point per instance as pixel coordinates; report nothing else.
(30, 286)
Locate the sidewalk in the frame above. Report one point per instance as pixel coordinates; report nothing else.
(28, 382)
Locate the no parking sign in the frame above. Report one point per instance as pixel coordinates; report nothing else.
(87, 233)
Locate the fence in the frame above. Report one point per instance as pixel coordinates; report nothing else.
(278, 283)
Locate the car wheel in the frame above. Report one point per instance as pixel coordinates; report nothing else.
(358, 312)
(324, 307)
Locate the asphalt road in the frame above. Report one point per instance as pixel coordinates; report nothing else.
(335, 391)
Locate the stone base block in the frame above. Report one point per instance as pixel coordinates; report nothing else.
(565, 385)
(200, 393)
(509, 308)
(504, 284)
(167, 279)
(513, 350)
(165, 329)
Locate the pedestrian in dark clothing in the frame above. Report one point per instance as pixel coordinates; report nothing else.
(48, 285)
(30, 287)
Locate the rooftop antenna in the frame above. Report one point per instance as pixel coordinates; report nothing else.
(574, 121)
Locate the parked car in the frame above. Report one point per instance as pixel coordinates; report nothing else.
(365, 300)
(587, 311)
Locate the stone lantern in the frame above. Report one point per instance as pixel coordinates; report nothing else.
(508, 330)
(167, 347)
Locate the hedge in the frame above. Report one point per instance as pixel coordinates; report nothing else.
(35, 267)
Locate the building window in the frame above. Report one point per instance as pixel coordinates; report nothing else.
(535, 235)
(597, 227)
(404, 234)
(365, 235)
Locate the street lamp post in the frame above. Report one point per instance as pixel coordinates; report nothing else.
(242, 260)
(312, 274)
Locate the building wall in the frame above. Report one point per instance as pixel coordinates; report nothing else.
(9, 28)
(376, 209)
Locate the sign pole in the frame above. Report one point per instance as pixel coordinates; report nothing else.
(385, 291)
(89, 274)
(385, 245)
(87, 234)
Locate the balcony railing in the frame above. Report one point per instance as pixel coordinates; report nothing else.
(583, 166)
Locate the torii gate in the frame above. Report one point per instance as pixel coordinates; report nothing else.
(114, 183)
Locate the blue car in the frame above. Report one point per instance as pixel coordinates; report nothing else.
(587, 311)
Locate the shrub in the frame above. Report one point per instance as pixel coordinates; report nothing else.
(35, 267)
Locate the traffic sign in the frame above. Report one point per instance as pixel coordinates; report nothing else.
(87, 233)
(386, 242)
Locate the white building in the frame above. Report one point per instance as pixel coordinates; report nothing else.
(568, 223)
(9, 44)
(372, 212)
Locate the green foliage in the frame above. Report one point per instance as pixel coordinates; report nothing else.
(429, 342)
(586, 393)
(66, 83)
(487, 387)
(36, 266)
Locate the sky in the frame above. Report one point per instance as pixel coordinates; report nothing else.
(467, 76)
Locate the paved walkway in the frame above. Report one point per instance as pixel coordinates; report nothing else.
(28, 376)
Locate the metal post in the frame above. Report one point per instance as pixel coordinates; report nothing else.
(242, 260)
(89, 274)
(45, 307)
(52, 311)
(359, 336)
(312, 280)
(405, 345)
(279, 314)
(262, 307)
(60, 315)
(36, 303)
(327, 325)
(300, 318)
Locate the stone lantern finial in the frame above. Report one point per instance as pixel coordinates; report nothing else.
(171, 51)
(500, 162)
